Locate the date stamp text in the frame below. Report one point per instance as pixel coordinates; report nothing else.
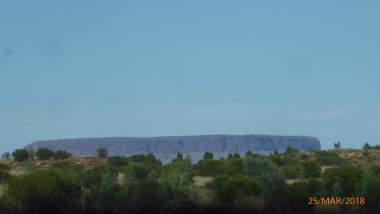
(336, 200)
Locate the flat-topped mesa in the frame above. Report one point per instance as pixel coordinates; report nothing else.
(167, 147)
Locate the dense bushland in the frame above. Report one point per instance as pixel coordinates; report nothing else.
(276, 183)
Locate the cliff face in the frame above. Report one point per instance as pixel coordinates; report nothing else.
(167, 147)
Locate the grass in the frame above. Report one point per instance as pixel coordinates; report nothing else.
(200, 193)
(120, 178)
(326, 167)
(18, 172)
(201, 181)
(292, 181)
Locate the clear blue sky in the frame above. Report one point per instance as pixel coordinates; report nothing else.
(75, 68)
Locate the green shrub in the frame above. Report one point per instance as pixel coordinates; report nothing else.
(5, 156)
(291, 171)
(3, 206)
(44, 154)
(61, 155)
(228, 189)
(311, 169)
(233, 166)
(137, 158)
(349, 177)
(211, 167)
(329, 158)
(291, 152)
(107, 191)
(208, 156)
(143, 196)
(93, 177)
(287, 199)
(49, 191)
(20, 155)
(4, 172)
(101, 153)
(175, 180)
(148, 159)
(372, 194)
(138, 170)
(293, 198)
(264, 170)
(278, 160)
(118, 161)
(254, 167)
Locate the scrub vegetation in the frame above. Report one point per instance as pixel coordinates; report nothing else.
(56, 182)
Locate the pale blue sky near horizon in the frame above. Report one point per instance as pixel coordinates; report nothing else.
(81, 68)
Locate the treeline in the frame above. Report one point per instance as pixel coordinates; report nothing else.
(278, 183)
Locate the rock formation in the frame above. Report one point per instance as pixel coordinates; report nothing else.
(167, 147)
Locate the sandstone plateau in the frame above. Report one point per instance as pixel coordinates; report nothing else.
(166, 148)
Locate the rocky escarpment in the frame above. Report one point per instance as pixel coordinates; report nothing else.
(167, 147)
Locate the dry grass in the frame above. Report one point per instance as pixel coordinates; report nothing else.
(201, 181)
(18, 172)
(326, 167)
(292, 181)
(120, 178)
(199, 192)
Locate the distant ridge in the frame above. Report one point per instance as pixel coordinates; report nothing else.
(167, 147)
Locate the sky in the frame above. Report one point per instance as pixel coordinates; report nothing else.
(97, 68)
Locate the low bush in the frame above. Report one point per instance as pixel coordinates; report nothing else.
(228, 189)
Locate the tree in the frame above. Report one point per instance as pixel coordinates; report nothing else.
(237, 155)
(275, 152)
(176, 179)
(179, 156)
(5, 156)
(61, 155)
(188, 157)
(249, 153)
(101, 153)
(20, 155)
(366, 146)
(263, 170)
(44, 154)
(208, 156)
(31, 155)
(291, 152)
(337, 145)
